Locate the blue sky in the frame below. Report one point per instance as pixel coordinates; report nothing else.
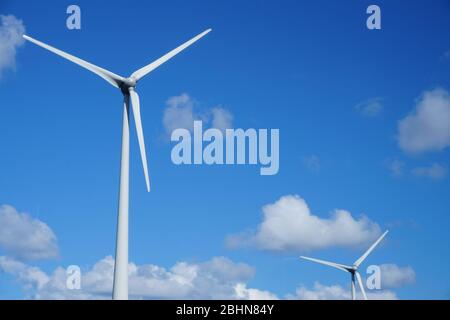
(302, 67)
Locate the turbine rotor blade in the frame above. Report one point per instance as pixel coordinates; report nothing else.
(112, 78)
(139, 74)
(364, 256)
(361, 285)
(330, 264)
(140, 134)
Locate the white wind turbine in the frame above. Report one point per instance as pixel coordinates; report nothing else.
(127, 87)
(353, 270)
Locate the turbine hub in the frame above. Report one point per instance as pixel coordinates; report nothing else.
(130, 82)
(127, 84)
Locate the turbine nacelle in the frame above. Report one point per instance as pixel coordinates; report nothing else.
(126, 84)
(130, 82)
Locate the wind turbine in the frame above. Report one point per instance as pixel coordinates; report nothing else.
(127, 87)
(353, 270)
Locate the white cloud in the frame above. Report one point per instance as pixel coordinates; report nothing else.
(336, 292)
(11, 31)
(31, 276)
(25, 237)
(396, 167)
(242, 292)
(427, 128)
(218, 278)
(381, 295)
(289, 225)
(221, 118)
(181, 113)
(321, 292)
(445, 56)
(393, 276)
(312, 163)
(434, 171)
(370, 108)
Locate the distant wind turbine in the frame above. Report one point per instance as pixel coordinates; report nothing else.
(127, 87)
(353, 270)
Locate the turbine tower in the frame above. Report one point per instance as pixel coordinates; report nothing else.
(353, 270)
(127, 86)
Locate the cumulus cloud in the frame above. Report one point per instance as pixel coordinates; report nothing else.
(32, 277)
(434, 171)
(370, 108)
(337, 292)
(181, 112)
(393, 276)
(11, 31)
(218, 278)
(289, 225)
(25, 237)
(427, 127)
(242, 292)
